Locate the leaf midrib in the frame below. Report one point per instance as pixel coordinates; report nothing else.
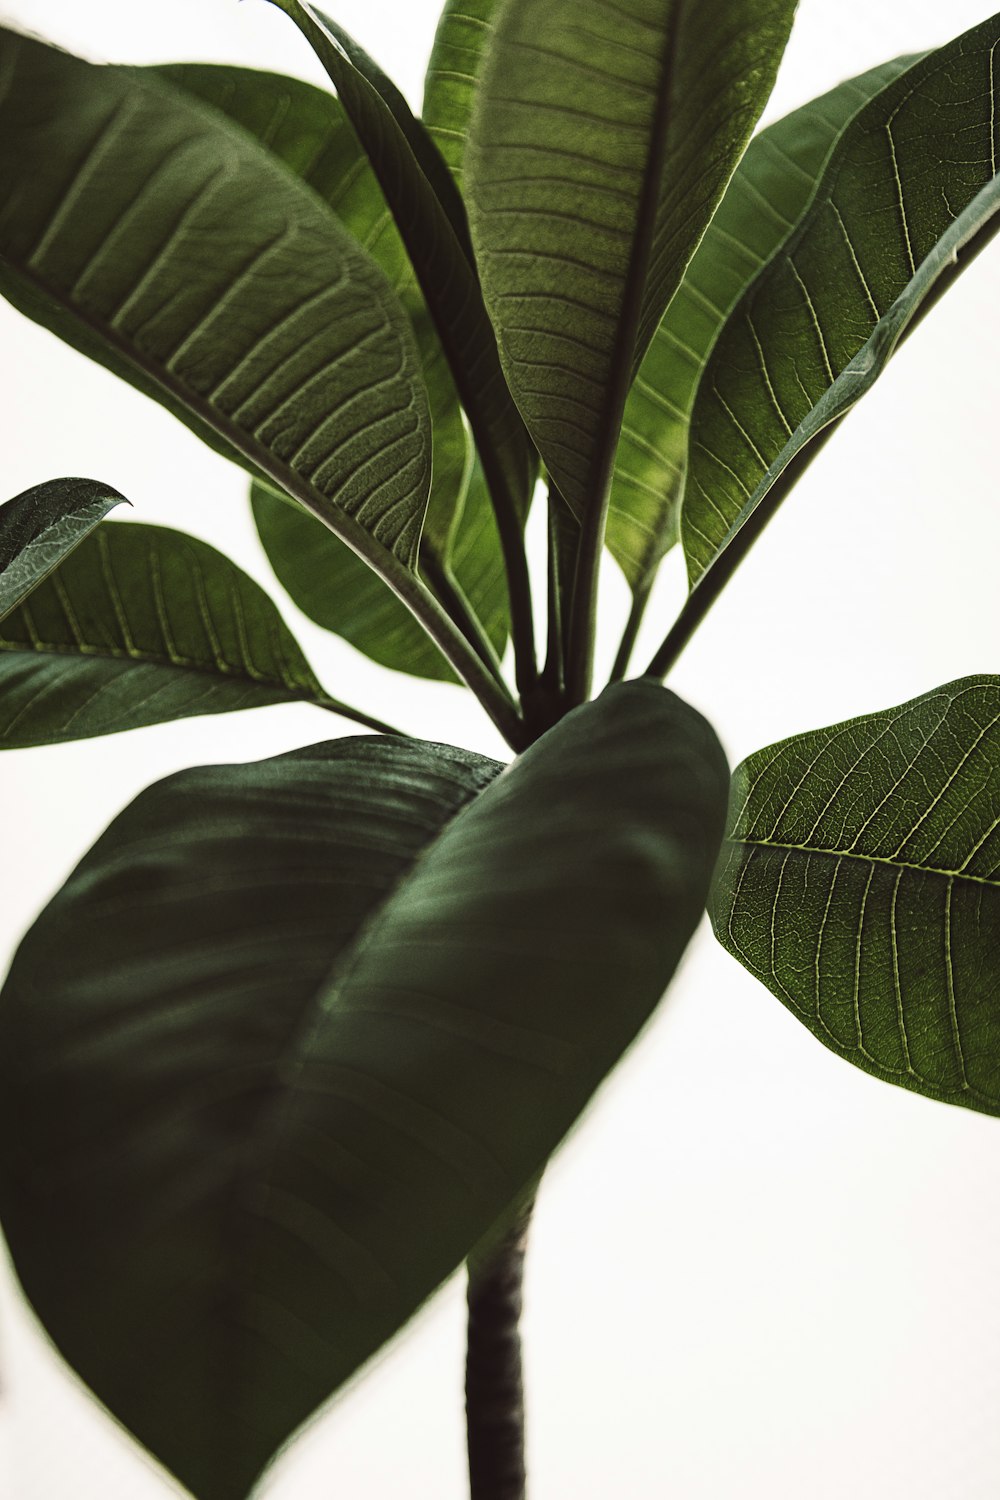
(867, 859)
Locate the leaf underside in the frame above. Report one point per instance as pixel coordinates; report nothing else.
(141, 625)
(909, 194)
(768, 192)
(265, 1162)
(860, 881)
(42, 526)
(146, 230)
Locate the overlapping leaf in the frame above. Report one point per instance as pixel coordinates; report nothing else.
(860, 881)
(602, 139)
(440, 260)
(908, 196)
(296, 1034)
(41, 526)
(154, 235)
(140, 625)
(768, 192)
(453, 73)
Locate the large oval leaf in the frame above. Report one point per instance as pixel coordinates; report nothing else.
(601, 141)
(908, 196)
(141, 625)
(769, 191)
(296, 1034)
(41, 526)
(161, 240)
(859, 883)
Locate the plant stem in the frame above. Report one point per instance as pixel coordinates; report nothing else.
(494, 1393)
(639, 601)
(452, 597)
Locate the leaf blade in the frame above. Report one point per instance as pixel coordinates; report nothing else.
(880, 835)
(384, 1098)
(767, 194)
(39, 527)
(143, 625)
(909, 133)
(232, 298)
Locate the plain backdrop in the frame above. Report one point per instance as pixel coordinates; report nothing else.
(754, 1272)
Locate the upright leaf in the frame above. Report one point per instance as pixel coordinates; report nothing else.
(859, 881)
(41, 526)
(307, 130)
(160, 239)
(296, 1034)
(908, 196)
(441, 263)
(141, 625)
(463, 37)
(769, 191)
(601, 141)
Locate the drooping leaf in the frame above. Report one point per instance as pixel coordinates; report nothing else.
(601, 141)
(442, 266)
(141, 625)
(860, 881)
(41, 526)
(463, 35)
(769, 191)
(154, 235)
(296, 1034)
(909, 195)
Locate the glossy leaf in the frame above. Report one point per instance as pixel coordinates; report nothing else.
(41, 526)
(768, 193)
(263, 1163)
(601, 141)
(908, 196)
(141, 625)
(860, 881)
(161, 240)
(440, 261)
(463, 35)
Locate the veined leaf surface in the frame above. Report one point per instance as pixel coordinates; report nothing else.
(601, 141)
(463, 35)
(767, 194)
(141, 625)
(161, 240)
(908, 196)
(41, 526)
(295, 1035)
(860, 881)
(440, 259)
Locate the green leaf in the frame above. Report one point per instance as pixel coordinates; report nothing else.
(141, 625)
(440, 261)
(908, 197)
(601, 141)
(157, 237)
(39, 527)
(295, 1035)
(463, 36)
(769, 191)
(859, 882)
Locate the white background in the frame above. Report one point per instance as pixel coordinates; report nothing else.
(755, 1272)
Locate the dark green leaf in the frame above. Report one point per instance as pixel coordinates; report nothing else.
(767, 195)
(456, 64)
(157, 237)
(295, 1035)
(140, 625)
(442, 267)
(39, 527)
(307, 129)
(601, 141)
(909, 195)
(859, 881)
